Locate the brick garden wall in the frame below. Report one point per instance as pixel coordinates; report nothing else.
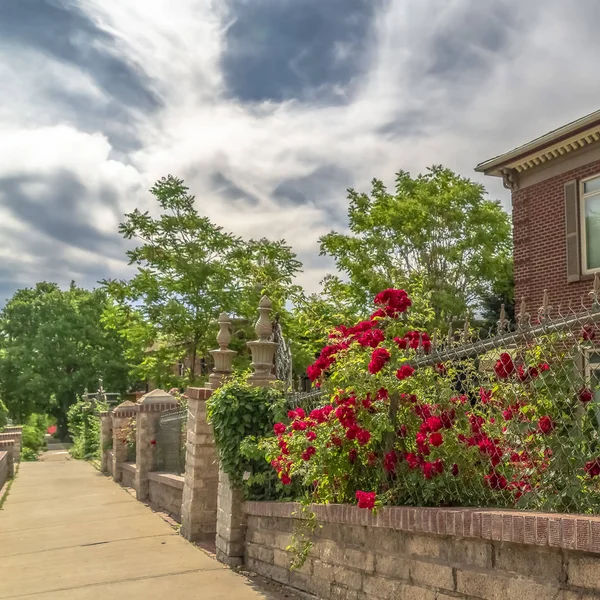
(430, 554)
(540, 255)
(166, 492)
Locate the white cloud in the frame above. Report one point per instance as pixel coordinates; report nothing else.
(446, 82)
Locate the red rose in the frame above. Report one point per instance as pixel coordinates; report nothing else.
(546, 424)
(495, 481)
(363, 437)
(586, 395)
(299, 425)
(310, 451)
(389, 461)
(505, 366)
(441, 368)
(544, 366)
(588, 333)
(336, 441)
(285, 479)
(352, 455)
(592, 468)
(455, 470)
(366, 499)
(379, 358)
(404, 372)
(485, 395)
(436, 439)
(434, 423)
(311, 436)
(279, 428)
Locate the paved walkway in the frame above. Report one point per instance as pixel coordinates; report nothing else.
(69, 533)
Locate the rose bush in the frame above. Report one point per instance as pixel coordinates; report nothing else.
(525, 433)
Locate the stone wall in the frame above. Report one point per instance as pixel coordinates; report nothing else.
(429, 554)
(128, 475)
(109, 462)
(166, 492)
(3, 469)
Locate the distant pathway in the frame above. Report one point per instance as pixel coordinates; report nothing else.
(69, 533)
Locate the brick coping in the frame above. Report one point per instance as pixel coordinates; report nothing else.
(169, 479)
(571, 532)
(129, 467)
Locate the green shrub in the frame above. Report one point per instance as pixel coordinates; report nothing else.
(27, 454)
(84, 427)
(3, 415)
(240, 413)
(34, 431)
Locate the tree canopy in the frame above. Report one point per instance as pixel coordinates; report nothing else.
(188, 271)
(53, 346)
(436, 227)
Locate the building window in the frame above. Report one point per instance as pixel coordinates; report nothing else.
(590, 225)
(592, 375)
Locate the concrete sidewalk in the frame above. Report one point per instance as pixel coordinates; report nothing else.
(69, 533)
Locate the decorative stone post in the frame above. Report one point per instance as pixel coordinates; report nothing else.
(106, 439)
(223, 357)
(8, 446)
(263, 350)
(199, 503)
(149, 410)
(120, 417)
(15, 437)
(200, 482)
(231, 523)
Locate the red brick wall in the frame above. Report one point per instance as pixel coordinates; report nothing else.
(538, 213)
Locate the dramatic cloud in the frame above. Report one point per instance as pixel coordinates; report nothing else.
(269, 109)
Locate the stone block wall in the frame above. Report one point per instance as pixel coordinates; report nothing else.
(429, 554)
(128, 472)
(166, 492)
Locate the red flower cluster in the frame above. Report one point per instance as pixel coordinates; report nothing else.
(588, 333)
(495, 481)
(394, 302)
(325, 360)
(546, 424)
(404, 372)
(366, 499)
(379, 358)
(504, 366)
(389, 462)
(592, 467)
(310, 451)
(414, 339)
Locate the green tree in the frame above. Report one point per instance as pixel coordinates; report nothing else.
(189, 270)
(437, 227)
(53, 346)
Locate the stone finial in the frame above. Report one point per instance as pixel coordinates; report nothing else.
(223, 357)
(502, 321)
(224, 335)
(264, 327)
(467, 330)
(263, 350)
(544, 311)
(523, 316)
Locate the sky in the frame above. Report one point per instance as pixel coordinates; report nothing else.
(268, 109)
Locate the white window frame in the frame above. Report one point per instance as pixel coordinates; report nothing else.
(582, 229)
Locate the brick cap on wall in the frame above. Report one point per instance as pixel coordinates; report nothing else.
(572, 532)
(195, 393)
(8, 443)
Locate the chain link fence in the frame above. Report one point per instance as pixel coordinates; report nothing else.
(171, 441)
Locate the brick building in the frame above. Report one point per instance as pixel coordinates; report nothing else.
(555, 188)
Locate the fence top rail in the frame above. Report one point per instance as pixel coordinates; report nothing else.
(522, 333)
(175, 414)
